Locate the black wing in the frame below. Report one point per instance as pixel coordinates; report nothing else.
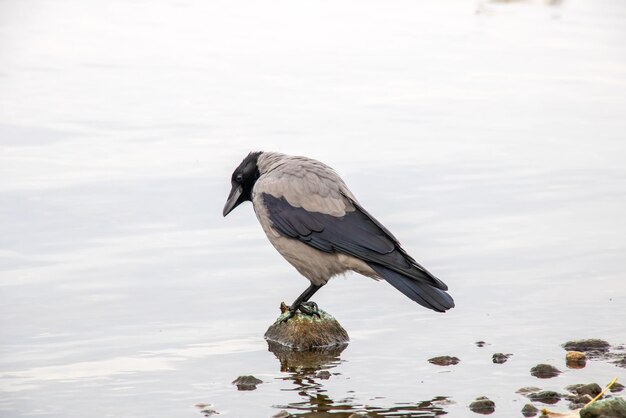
(358, 234)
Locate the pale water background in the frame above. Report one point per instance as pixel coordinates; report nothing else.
(489, 137)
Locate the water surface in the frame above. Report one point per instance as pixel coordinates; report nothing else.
(488, 136)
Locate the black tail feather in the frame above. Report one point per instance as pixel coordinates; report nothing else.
(421, 292)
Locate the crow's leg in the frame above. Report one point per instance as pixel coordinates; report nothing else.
(302, 303)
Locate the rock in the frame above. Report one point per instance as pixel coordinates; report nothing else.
(578, 402)
(529, 410)
(246, 382)
(617, 387)
(324, 375)
(544, 371)
(549, 397)
(480, 343)
(592, 346)
(575, 359)
(358, 415)
(591, 389)
(483, 405)
(282, 414)
(500, 358)
(573, 388)
(444, 360)
(607, 408)
(304, 332)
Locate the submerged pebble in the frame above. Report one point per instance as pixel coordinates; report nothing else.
(528, 389)
(544, 371)
(578, 402)
(500, 358)
(246, 382)
(444, 360)
(483, 405)
(529, 410)
(206, 409)
(549, 397)
(209, 412)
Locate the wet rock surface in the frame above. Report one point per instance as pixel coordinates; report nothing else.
(544, 371)
(444, 360)
(483, 405)
(617, 387)
(530, 410)
(549, 397)
(578, 402)
(575, 359)
(500, 358)
(247, 382)
(595, 349)
(306, 332)
(593, 346)
(608, 408)
(591, 389)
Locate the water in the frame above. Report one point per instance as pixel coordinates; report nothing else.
(488, 136)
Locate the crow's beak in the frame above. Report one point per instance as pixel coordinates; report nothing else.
(233, 199)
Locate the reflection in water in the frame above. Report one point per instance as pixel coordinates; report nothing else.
(307, 370)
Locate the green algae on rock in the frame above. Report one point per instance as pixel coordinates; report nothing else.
(607, 408)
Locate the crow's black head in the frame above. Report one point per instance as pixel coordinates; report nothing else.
(242, 180)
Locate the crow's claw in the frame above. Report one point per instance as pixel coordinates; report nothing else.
(307, 308)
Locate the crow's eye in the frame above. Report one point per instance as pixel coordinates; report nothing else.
(239, 178)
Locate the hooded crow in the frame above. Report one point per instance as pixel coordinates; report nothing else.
(315, 222)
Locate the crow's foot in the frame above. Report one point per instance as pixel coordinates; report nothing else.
(307, 308)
